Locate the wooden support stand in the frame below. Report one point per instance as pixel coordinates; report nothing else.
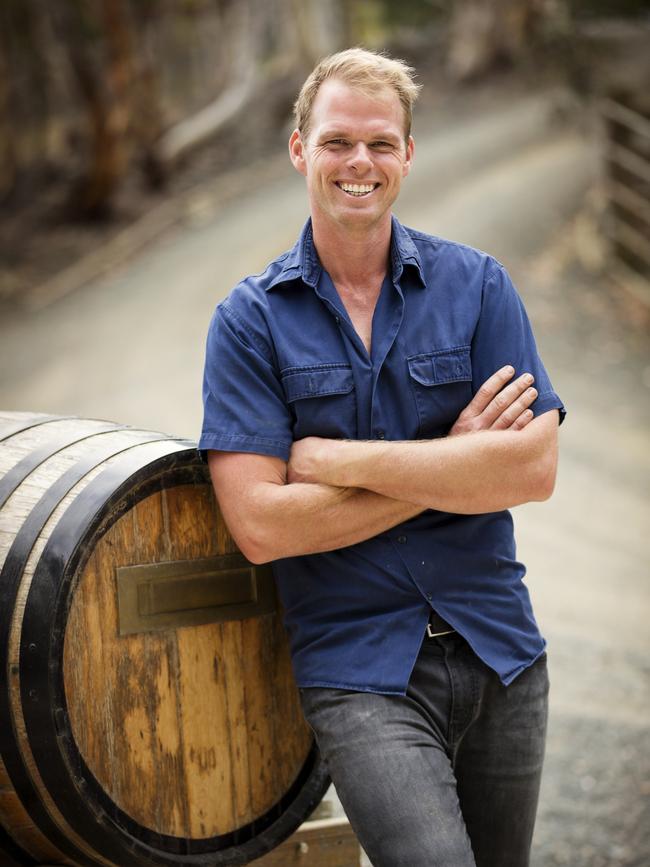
(320, 843)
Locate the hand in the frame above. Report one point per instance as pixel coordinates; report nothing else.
(498, 406)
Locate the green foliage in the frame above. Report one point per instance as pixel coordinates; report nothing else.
(413, 13)
(373, 22)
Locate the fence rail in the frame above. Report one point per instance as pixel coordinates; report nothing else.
(626, 159)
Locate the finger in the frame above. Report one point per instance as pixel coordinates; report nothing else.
(520, 423)
(514, 409)
(502, 402)
(488, 391)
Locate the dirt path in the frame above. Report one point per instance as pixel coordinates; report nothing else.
(587, 552)
(130, 347)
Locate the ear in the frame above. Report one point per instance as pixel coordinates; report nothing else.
(408, 159)
(297, 152)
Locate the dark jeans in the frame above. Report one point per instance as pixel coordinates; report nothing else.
(446, 776)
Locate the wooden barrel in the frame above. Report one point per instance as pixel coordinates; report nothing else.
(148, 713)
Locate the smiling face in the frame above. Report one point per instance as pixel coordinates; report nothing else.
(354, 157)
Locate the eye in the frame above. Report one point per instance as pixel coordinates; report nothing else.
(336, 142)
(382, 145)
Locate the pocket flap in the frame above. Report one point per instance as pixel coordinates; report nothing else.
(441, 366)
(303, 382)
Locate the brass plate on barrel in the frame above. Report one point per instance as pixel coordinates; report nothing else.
(192, 592)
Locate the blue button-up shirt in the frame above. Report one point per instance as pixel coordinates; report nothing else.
(284, 362)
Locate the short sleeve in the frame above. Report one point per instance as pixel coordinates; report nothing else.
(244, 409)
(504, 336)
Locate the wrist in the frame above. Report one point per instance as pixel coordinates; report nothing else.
(332, 462)
(350, 461)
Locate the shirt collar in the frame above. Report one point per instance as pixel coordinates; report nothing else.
(404, 252)
(302, 262)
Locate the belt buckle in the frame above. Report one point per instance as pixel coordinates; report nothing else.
(433, 634)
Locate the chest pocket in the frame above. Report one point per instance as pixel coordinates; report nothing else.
(322, 400)
(442, 386)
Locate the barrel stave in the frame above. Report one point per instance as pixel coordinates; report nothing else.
(13, 516)
(20, 828)
(39, 482)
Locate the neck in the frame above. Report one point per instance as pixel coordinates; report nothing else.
(353, 259)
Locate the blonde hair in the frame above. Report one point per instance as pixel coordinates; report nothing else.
(367, 71)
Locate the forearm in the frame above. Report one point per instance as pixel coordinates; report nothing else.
(275, 521)
(468, 474)
(464, 475)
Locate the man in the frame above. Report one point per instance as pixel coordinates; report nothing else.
(369, 419)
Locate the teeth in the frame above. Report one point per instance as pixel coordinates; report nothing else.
(357, 189)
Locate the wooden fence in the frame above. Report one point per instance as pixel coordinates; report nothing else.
(626, 158)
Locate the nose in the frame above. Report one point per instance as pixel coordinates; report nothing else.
(360, 159)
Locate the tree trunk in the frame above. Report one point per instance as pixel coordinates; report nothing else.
(147, 117)
(241, 39)
(7, 147)
(485, 34)
(322, 28)
(105, 92)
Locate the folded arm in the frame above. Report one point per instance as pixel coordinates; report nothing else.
(272, 515)
(270, 519)
(462, 474)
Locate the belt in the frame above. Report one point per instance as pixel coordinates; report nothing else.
(437, 626)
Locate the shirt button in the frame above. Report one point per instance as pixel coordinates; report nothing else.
(401, 540)
(429, 597)
(337, 319)
(381, 434)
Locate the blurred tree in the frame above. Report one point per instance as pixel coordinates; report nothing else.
(99, 45)
(125, 85)
(241, 27)
(23, 70)
(266, 45)
(322, 27)
(609, 8)
(485, 34)
(95, 91)
(7, 147)
(414, 13)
